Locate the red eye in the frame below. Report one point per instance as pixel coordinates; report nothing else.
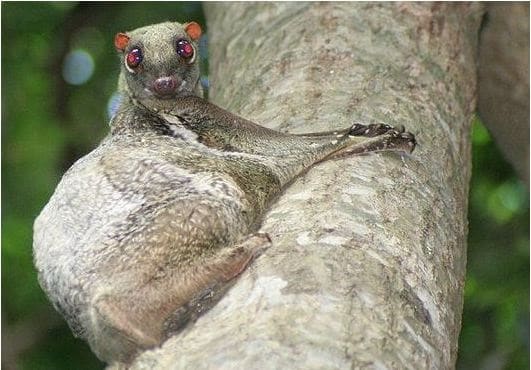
(134, 58)
(185, 49)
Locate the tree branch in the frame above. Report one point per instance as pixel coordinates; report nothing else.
(503, 101)
(368, 259)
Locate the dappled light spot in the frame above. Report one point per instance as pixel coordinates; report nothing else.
(78, 67)
(507, 200)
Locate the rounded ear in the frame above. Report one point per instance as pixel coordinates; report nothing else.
(120, 41)
(193, 30)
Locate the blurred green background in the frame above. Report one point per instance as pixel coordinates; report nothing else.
(47, 123)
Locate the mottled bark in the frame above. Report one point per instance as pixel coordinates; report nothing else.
(503, 85)
(368, 260)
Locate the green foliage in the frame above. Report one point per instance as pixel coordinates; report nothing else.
(496, 311)
(47, 124)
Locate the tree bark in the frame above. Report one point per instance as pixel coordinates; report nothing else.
(503, 101)
(368, 260)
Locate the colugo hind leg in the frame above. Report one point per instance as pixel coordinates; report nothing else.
(123, 328)
(224, 267)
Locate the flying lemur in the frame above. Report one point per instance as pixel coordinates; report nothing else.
(145, 232)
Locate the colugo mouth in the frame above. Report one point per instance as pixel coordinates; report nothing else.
(166, 88)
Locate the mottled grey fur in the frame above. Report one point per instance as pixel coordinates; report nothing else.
(149, 229)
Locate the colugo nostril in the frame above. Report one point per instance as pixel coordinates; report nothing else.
(165, 85)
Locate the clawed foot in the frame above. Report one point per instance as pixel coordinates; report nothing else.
(379, 137)
(393, 138)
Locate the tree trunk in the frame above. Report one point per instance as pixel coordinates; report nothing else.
(368, 260)
(503, 101)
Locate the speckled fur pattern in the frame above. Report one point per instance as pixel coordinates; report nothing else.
(148, 230)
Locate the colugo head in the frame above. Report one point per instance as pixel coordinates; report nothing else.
(160, 63)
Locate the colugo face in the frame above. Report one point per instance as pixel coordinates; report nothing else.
(159, 63)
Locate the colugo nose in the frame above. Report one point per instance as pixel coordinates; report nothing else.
(165, 85)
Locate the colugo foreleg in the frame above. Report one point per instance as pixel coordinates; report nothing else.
(377, 138)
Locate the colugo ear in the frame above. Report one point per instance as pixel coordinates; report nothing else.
(120, 41)
(193, 30)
